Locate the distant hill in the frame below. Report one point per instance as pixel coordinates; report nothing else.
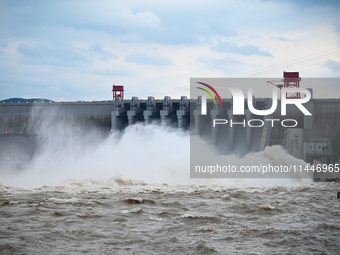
(24, 100)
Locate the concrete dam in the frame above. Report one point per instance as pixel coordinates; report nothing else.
(20, 122)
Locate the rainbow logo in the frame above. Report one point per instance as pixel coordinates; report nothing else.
(210, 94)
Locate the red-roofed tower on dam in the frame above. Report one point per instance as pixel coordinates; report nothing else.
(118, 91)
(290, 80)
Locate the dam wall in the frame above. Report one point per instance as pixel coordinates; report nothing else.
(327, 116)
(21, 118)
(21, 121)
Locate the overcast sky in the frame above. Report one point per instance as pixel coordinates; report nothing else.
(76, 50)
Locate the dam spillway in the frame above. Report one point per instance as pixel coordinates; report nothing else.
(19, 121)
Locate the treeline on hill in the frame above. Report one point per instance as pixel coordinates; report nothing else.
(30, 100)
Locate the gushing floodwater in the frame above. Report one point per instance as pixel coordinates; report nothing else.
(144, 153)
(131, 194)
(151, 154)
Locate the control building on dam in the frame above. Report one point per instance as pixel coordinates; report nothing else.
(19, 122)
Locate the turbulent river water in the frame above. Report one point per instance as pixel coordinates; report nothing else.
(133, 195)
(182, 219)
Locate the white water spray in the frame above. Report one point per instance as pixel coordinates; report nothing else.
(149, 154)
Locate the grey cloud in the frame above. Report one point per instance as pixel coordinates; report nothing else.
(280, 38)
(152, 25)
(63, 52)
(31, 52)
(333, 65)
(243, 50)
(228, 65)
(337, 27)
(148, 59)
(113, 72)
(97, 49)
(309, 3)
(51, 54)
